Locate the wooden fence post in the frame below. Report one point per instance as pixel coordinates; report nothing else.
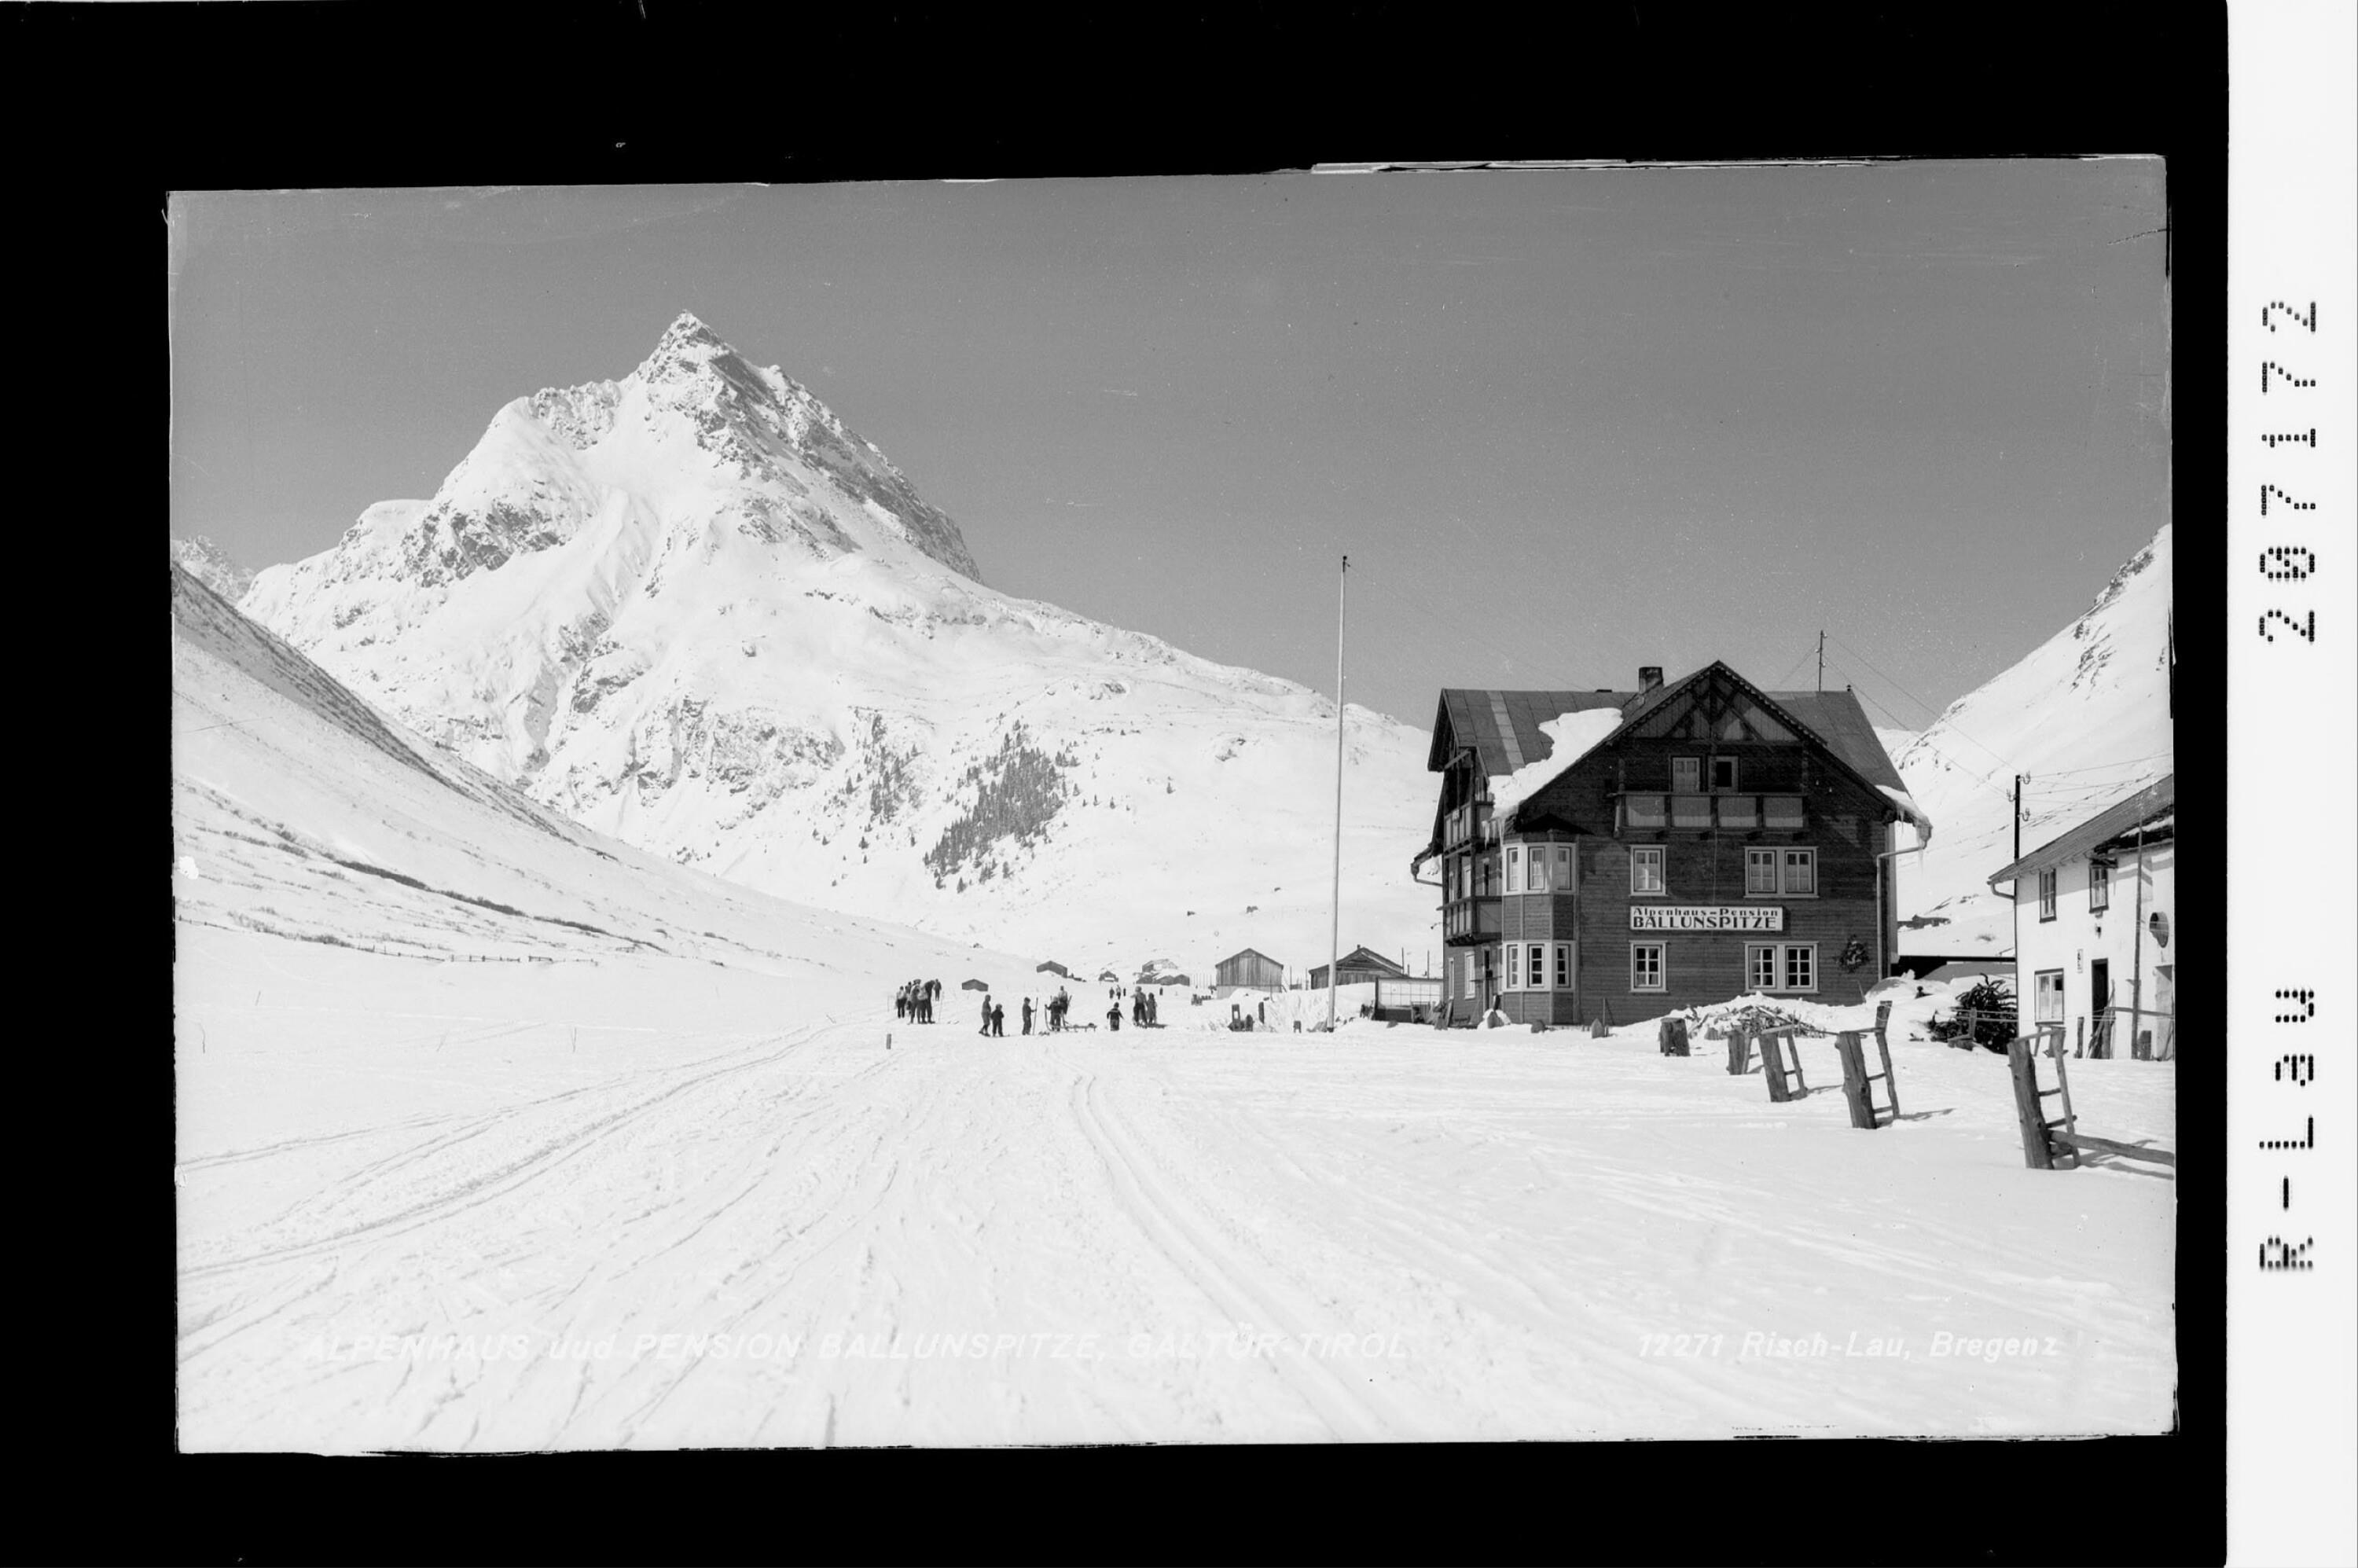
(1854, 1067)
(2035, 1152)
(1739, 1052)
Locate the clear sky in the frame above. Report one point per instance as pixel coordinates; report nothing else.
(1563, 423)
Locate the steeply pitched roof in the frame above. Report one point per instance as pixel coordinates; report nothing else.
(1503, 726)
(2148, 808)
(1843, 725)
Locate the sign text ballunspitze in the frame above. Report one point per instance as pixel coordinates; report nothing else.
(1706, 918)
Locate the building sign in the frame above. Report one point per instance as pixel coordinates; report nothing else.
(1706, 918)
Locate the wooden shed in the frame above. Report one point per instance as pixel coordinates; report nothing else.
(1252, 970)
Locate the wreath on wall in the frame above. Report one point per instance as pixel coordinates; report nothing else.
(1853, 954)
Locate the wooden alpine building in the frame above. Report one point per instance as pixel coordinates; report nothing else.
(1715, 839)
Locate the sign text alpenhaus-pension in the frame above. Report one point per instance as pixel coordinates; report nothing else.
(1706, 918)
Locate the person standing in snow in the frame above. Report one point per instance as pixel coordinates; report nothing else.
(1264, 1012)
(986, 1014)
(1027, 1015)
(999, 1022)
(1113, 1017)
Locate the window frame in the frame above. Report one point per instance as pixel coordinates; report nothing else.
(2100, 882)
(1662, 951)
(1717, 761)
(1658, 857)
(1693, 784)
(1755, 855)
(1785, 866)
(1514, 868)
(1535, 957)
(2046, 880)
(1535, 861)
(1779, 957)
(1562, 966)
(2040, 992)
(1514, 981)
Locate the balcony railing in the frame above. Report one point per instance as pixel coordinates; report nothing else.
(1469, 919)
(1739, 813)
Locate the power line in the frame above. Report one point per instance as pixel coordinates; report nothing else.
(1919, 702)
(1983, 779)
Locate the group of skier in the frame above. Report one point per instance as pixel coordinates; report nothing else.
(913, 1002)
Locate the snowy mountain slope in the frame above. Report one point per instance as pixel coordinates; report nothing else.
(690, 610)
(2086, 715)
(298, 812)
(211, 566)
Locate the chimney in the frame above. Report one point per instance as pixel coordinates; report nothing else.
(1649, 677)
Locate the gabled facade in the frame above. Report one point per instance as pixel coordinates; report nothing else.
(1249, 971)
(1358, 967)
(2093, 943)
(1717, 839)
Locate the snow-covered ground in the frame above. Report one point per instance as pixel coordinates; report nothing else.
(649, 1201)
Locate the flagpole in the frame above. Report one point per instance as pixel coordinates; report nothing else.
(1335, 932)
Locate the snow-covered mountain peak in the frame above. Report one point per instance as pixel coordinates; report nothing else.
(211, 566)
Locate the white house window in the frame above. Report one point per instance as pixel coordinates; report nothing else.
(1514, 870)
(1563, 966)
(1723, 772)
(1563, 882)
(2047, 996)
(1781, 965)
(1644, 965)
(2047, 896)
(2100, 886)
(1646, 870)
(1469, 977)
(1538, 878)
(1538, 967)
(1768, 873)
(1687, 776)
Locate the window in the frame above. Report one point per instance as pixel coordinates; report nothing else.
(1646, 870)
(1563, 966)
(1644, 965)
(1514, 870)
(2100, 886)
(1538, 967)
(1723, 772)
(1563, 879)
(1781, 967)
(1687, 776)
(2046, 997)
(1800, 967)
(1514, 965)
(1469, 977)
(2047, 896)
(1793, 873)
(1537, 880)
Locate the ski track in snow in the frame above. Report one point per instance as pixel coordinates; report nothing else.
(1517, 1210)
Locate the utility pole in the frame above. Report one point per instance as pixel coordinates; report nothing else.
(1334, 933)
(1822, 661)
(2018, 814)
